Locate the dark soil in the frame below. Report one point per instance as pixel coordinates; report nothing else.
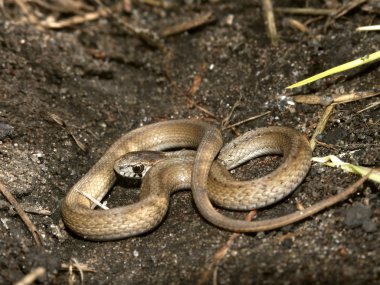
(66, 95)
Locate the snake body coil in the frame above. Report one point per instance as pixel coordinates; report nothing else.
(178, 173)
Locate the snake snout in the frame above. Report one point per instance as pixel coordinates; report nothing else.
(135, 164)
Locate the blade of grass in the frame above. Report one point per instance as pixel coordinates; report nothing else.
(368, 28)
(349, 65)
(333, 161)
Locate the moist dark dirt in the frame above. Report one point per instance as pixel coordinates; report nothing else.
(66, 95)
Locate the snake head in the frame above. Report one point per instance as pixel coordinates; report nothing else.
(135, 164)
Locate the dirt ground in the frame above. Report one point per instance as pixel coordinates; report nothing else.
(67, 94)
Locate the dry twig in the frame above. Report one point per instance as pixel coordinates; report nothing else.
(64, 6)
(67, 127)
(326, 99)
(347, 7)
(298, 26)
(189, 95)
(74, 20)
(343, 10)
(227, 119)
(370, 106)
(25, 9)
(326, 145)
(220, 254)
(147, 36)
(305, 11)
(196, 22)
(270, 21)
(246, 120)
(75, 265)
(32, 276)
(321, 125)
(24, 217)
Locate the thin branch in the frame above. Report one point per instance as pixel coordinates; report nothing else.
(321, 125)
(270, 21)
(220, 254)
(32, 276)
(196, 22)
(247, 120)
(305, 11)
(24, 217)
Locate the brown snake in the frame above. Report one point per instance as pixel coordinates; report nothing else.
(178, 173)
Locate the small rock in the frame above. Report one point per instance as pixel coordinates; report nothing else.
(38, 157)
(287, 243)
(357, 215)
(369, 226)
(260, 235)
(5, 130)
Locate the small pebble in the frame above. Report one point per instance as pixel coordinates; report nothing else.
(369, 226)
(135, 253)
(5, 131)
(357, 215)
(287, 243)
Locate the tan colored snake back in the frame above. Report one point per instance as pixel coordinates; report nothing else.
(79, 216)
(276, 185)
(77, 211)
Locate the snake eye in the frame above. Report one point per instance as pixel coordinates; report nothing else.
(138, 169)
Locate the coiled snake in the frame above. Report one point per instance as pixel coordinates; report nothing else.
(200, 173)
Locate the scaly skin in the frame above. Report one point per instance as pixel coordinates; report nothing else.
(78, 214)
